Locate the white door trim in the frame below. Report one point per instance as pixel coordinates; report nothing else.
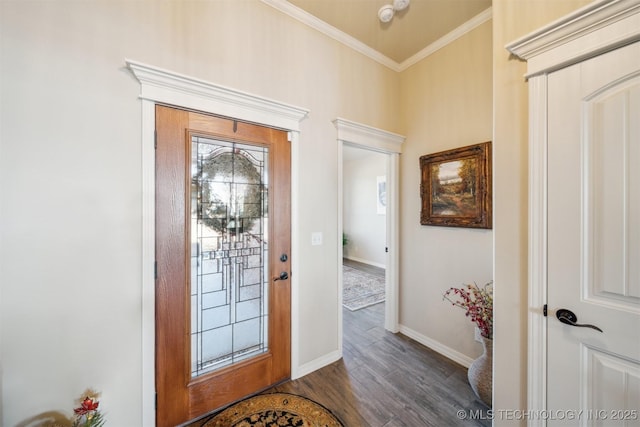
(158, 86)
(370, 138)
(590, 31)
(599, 27)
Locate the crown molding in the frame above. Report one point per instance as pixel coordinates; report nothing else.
(450, 37)
(603, 24)
(359, 134)
(351, 42)
(159, 85)
(331, 31)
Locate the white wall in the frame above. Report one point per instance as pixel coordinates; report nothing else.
(364, 226)
(70, 171)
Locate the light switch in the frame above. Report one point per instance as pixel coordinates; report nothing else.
(316, 238)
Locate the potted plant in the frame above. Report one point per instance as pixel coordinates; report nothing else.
(478, 305)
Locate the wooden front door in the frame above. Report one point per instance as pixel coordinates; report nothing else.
(222, 253)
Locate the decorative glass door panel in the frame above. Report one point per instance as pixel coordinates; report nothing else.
(223, 227)
(229, 253)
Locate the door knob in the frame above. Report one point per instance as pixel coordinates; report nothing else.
(283, 276)
(569, 318)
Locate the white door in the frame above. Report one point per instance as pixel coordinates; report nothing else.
(594, 241)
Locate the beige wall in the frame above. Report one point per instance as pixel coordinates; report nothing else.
(70, 256)
(70, 202)
(512, 20)
(446, 103)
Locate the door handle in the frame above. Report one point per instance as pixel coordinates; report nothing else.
(569, 318)
(283, 276)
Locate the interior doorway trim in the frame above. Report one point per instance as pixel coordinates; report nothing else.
(158, 86)
(592, 30)
(369, 138)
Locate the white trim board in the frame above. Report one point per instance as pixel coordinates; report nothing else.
(351, 42)
(375, 139)
(598, 27)
(318, 363)
(162, 86)
(437, 346)
(158, 86)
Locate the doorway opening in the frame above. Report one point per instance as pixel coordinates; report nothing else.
(353, 139)
(364, 228)
(364, 242)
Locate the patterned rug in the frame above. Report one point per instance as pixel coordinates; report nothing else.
(275, 410)
(361, 289)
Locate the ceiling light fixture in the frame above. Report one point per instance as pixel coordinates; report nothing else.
(386, 12)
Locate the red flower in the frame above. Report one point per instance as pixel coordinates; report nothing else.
(477, 303)
(88, 405)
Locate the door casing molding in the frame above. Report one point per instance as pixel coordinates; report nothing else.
(159, 86)
(590, 31)
(389, 143)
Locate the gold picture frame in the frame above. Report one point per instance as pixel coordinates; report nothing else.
(456, 187)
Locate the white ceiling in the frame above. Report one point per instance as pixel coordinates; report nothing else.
(422, 24)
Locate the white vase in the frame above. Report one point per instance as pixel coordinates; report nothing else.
(481, 372)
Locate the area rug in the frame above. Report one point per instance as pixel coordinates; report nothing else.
(361, 289)
(275, 410)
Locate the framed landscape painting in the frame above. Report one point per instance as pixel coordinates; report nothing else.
(456, 187)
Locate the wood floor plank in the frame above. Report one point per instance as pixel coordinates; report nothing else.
(389, 380)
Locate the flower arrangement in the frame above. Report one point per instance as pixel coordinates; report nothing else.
(478, 303)
(87, 414)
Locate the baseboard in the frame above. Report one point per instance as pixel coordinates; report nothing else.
(316, 364)
(365, 261)
(334, 356)
(434, 345)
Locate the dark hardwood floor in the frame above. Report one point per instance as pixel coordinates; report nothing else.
(389, 380)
